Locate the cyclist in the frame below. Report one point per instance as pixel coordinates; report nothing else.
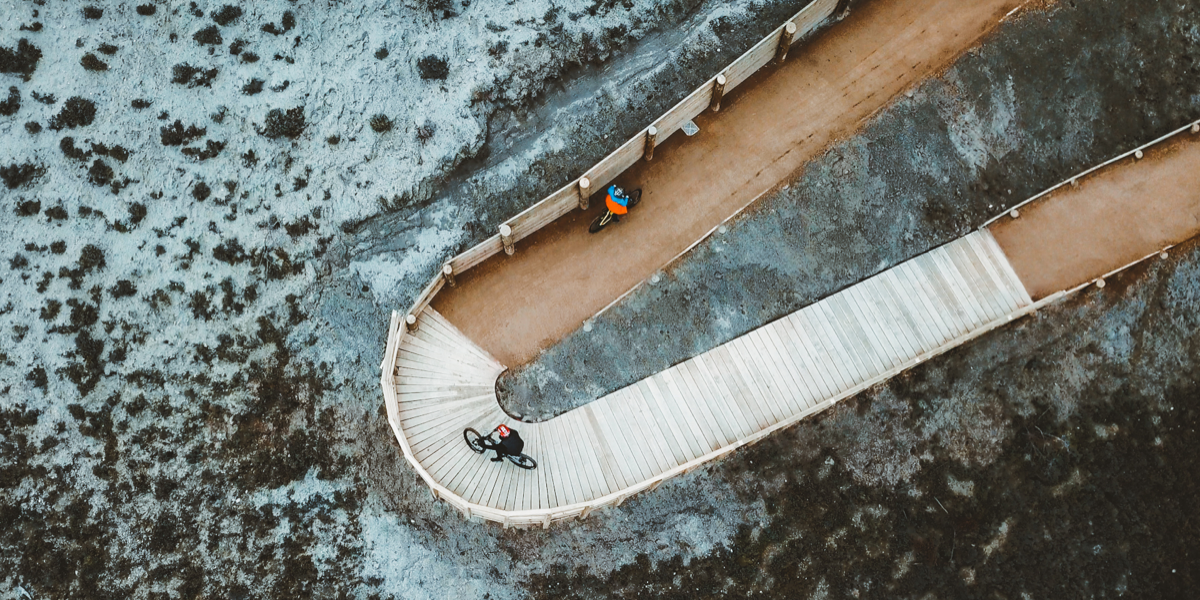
(510, 443)
(617, 202)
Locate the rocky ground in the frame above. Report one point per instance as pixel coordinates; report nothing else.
(190, 403)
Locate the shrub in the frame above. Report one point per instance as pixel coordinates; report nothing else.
(210, 36)
(426, 130)
(185, 74)
(21, 61)
(91, 63)
(333, 140)
(58, 247)
(107, 49)
(76, 112)
(48, 99)
(100, 174)
(226, 15)
(201, 192)
(67, 146)
(432, 67)
(381, 54)
(56, 213)
(249, 57)
(289, 20)
(123, 289)
(381, 124)
(28, 208)
(91, 12)
(176, 135)
(289, 124)
(211, 150)
(139, 104)
(15, 175)
(38, 378)
(237, 46)
(10, 107)
(253, 87)
(146, 9)
(51, 310)
(137, 212)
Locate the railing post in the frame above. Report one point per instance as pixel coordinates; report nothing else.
(717, 93)
(651, 141)
(448, 273)
(506, 239)
(586, 511)
(1195, 127)
(585, 192)
(546, 521)
(410, 322)
(785, 41)
(843, 8)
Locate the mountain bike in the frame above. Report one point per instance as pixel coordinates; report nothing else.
(603, 220)
(482, 443)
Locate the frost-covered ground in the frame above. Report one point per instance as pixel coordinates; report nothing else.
(189, 402)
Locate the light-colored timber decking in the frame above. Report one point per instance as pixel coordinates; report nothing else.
(632, 439)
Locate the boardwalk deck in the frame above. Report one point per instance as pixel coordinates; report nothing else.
(633, 438)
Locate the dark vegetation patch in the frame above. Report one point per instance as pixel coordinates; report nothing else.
(86, 369)
(118, 152)
(381, 124)
(381, 54)
(92, 63)
(140, 104)
(28, 208)
(237, 46)
(426, 130)
(100, 174)
(10, 106)
(76, 112)
(59, 247)
(107, 49)
(201, 191)
(433, 67)
(69, 150)
(37, 377)
(33, 127)
(35, 27)
(253, 87)
(15, 176)
(137, 212)
(50, 311)
(288, 22)
(47, 99)
(333, 140)
(21, 60)
(91, 258)
(226, 15)
(186, 74)
(92, 12)
(249, 57)
(56, 213)
(209, 36)
(123, 289)
(211, 149)
(146, 9)
(289, 124)
(176, 135)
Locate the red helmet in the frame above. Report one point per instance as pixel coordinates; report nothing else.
(504, 431)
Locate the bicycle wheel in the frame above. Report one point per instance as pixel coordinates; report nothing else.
(635, 197)
(474, 440)
(599, 223)
(523, 461)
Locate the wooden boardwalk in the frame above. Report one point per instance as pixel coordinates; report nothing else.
(634, 438)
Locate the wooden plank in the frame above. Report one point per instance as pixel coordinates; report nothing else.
(864, 321)
(430, 443)
(790, 340)
(1006, 268)
(966, 303)
(878, 325)
(786, 363)
(672, 436)
(477, 254)
(705, 394)
(904, 332)
(926, 338)
(761, 371)
(721, 359)
(614, 413)
(924, 300)
(686, 110)
(704, 436)
(654, 433)
(599, 479)
(838, 339)
(854, 326)
(567, 468)
(458, 338)
(722, 398)
(1010, 300)
(984, 298)
(774, 408)
(430, 342)
(614, 475)
(946, 304)
(834, 376)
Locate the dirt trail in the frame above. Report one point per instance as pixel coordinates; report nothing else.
(1113, 218)
(516, 306)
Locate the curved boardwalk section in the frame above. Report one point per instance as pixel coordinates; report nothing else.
(440, 382)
